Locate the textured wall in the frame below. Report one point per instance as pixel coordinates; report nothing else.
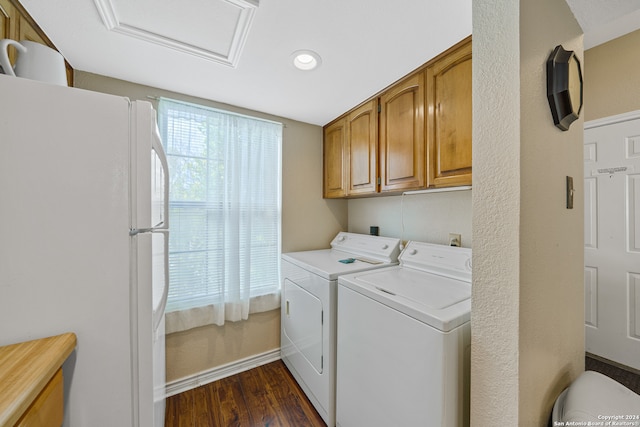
(496, 214)
(527, 310)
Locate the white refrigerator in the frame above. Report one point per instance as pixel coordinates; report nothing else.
(83, 244)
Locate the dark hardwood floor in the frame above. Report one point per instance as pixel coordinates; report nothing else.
(266, 396)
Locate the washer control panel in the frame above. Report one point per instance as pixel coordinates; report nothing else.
(449, 261)
(368, 246)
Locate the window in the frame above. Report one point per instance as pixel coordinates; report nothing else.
(224, 214)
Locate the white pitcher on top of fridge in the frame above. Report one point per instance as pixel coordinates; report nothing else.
(35, 61)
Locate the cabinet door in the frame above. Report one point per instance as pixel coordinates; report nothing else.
(362, 142)
(48, 408)
(449, 120)
(335, 161)
(27, 32)
(8, 25)
(17, 24)
(402, 143)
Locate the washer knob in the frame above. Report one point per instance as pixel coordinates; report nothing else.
(413, 251)
(385, 246)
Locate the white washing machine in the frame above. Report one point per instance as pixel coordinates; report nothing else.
(308, 323)
(404, 341)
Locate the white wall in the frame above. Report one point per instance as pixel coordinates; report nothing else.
(422, 217)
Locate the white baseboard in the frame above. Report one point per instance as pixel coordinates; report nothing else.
(220, 372)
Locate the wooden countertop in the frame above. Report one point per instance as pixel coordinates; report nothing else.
(25, 368)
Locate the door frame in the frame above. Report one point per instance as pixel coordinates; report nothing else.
(610, 120)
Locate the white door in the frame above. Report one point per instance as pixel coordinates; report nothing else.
(612, 238)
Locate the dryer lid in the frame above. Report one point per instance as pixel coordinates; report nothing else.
(326, 263)
(367, 252)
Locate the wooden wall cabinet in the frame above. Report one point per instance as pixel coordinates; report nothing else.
(379, 146)
(362, 149)
(402, 143)
(17, 24)
(449, 118)
(351, 153)
(335, 159)
(414, 135)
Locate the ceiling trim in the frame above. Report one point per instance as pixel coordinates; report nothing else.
(107, 12)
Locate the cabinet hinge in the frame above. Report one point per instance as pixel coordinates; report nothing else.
(379, 181)
(379, 108)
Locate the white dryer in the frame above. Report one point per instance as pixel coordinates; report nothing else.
(404, 341)
(308, 323)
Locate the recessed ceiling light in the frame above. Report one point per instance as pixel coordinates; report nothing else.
(306, 60)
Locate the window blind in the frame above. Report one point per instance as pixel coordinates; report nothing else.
(224, 210)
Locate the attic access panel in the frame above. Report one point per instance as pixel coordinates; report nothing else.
(215, 30)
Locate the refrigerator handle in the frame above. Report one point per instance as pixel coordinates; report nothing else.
(165, 290)
(159, 227)
(163, 226)
(156, 145)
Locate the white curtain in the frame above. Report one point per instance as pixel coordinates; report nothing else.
(225, 211)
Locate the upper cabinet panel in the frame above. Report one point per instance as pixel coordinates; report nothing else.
(414, 135)
(449, 118)
(402, 143)
(335, 150)
(8, 25)
(362, 142)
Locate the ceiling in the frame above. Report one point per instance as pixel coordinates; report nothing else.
(239, 51)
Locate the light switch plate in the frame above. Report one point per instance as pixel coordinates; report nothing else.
(570, 192)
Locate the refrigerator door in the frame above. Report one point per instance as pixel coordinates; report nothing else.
(149, 231)
(151, 248)
(160, 271)
(160, 229)
(64, 243)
